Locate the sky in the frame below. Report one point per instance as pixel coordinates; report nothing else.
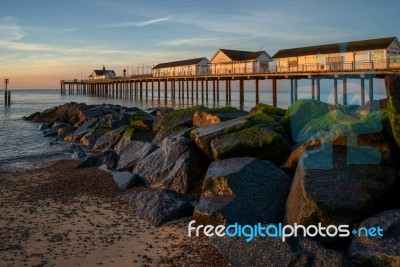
(43, 42)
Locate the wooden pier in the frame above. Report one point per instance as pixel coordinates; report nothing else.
(207, 87)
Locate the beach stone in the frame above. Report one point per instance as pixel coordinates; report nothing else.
(132, 153)
(171, 132)
(64, 131)
(159, 206)
(176, 165)
(377, 251)
(243, 190)
(392, 83)
(108, 140)
(50, 132)
(204, 135)
(125, 180)
(327, 189)
(257, 141)
(271, 251)
(43, 126)
(212, 116)
(160, 114)
(107, 157)
(76, 135)
(78, 154)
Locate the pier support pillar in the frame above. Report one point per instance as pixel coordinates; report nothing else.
(241, 93)
(147, 89)
(335, 91)
(217, 91)
(312, 88)
(202, 91)
(192, 91)
(295, 90)
(197, 91)
(274, 99)
(226, 91)
(165, 90)
(344, 91)
(152, 90)
(207, 91)
(257, 92)
(318, 89)
(371, 89)
(213, 91)
(362, 91)
(291, 92)
(141, 89)
(159, 90)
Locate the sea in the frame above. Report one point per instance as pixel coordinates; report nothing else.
(23, 145)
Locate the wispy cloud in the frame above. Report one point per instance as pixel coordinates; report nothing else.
(9, 29)
(136, 23)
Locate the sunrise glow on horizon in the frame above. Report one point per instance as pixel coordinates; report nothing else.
(43, 42)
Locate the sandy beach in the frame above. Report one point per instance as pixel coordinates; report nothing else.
(61, 216)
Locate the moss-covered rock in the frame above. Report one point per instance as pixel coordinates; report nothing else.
(275, 112)
(393, 105)
(183, 117)
(211, 116)
(143, 120)
(257, 141)
(336, 123)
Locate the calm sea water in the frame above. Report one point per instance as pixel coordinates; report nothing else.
(23, 146)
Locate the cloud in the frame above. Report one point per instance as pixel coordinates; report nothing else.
(136, 23)
(9, 29)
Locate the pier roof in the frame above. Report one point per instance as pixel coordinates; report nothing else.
(193, 61)
(354, 46)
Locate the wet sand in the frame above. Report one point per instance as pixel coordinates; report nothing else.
(60, 216)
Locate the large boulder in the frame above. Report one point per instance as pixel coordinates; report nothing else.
(212, 116)
(76, 135)
(392, 83)
(171, 132)
(257, 141)
(159, 206)
(107, 157)
(328, 189)
(243, 190)
(275, 112)
(132, 153)
(108, 140)
(377, 250)
(182, 117)
(114, 120)
(271, 251)
(337, 123)
(90, 138)
(377, 141)
(160, 113)
(143, 120)
(176, 165)
(204, 135)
